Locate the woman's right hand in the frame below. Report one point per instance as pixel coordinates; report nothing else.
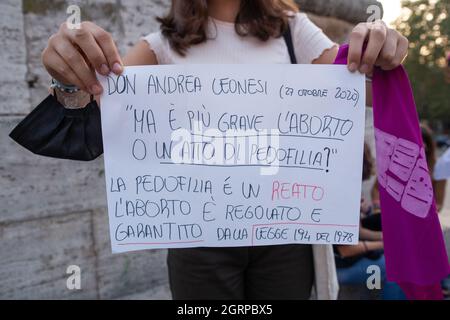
(73, 55)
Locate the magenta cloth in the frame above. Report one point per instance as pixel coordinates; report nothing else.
(414, 245)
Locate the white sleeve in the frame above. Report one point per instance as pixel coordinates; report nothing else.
(309, 40)
(159, 46)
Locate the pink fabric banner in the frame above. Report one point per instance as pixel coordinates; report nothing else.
(414, 245)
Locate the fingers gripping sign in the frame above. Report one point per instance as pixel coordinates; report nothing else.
(385, 47)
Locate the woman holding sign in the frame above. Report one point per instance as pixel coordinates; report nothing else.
(221, 31)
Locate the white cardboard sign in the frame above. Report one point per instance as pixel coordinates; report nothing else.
(233, 155)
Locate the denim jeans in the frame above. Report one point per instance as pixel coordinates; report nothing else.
(357, 275)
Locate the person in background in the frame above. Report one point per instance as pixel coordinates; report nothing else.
(352, 261)
(439, 180)
(447, 69)
(442, 174)
(370, 211)
(439, 183)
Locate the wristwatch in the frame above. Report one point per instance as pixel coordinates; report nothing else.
(64, 87)
(69, 96)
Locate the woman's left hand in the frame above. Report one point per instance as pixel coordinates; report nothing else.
(386, 47)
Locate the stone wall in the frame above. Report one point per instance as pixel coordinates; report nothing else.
(53, 212)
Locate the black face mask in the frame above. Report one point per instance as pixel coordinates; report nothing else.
(53, 131)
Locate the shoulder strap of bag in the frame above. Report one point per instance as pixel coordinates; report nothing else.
(290, 45)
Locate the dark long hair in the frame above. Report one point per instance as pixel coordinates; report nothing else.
(368, 163)
(429, 146)
(185, 24)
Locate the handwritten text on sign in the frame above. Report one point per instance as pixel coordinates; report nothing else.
(233, 155)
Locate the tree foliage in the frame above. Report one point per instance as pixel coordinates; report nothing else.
(426, 23)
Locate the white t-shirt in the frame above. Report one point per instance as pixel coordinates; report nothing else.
(224, 45)
(442, 167)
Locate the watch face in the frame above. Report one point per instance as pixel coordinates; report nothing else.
(71, 102)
